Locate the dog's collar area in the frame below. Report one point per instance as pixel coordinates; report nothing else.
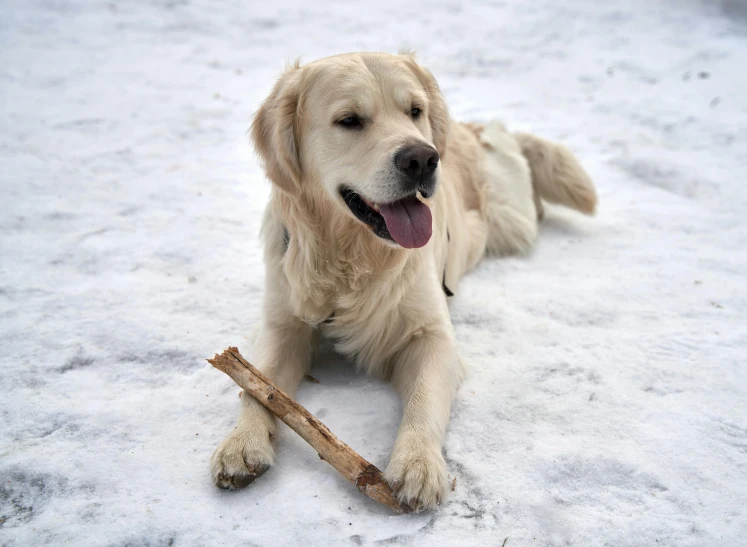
(365, 214)
(447, 290)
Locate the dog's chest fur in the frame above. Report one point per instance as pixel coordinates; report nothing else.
(347, 286)
(361, 299)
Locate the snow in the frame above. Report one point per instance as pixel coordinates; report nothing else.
(606, 398)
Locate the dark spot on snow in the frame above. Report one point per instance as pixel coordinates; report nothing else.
(694, 530)
(128, 211)
(731, 434)
(171, 4)
(472, 512)
(405, 539)
(615, 16)
(51, 428)
(661, 391)
(43, 426)
(59, 215)
(77, 362)
(562, 370)
(485, 320)
(667, 178)
(571, 472)
(166, 540)
(736, 9)
(172, 358)
(267, 24)
(23, 492)
(90, 513)
(357, 539)
(81, 124)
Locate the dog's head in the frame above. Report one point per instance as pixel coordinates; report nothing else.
(368, 130)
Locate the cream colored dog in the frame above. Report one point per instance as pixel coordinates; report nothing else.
(380, 204)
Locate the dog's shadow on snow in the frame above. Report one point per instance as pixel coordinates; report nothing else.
(357, 408)
(361, 411)
(334, 378)
(560, 223)
(332, 368)
(552, 224)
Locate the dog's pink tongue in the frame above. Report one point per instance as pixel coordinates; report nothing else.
(409, 222)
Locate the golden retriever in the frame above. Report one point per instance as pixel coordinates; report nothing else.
(380, 204)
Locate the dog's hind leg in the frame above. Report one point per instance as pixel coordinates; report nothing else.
(477, 229)
(508, 202)
(466, 248)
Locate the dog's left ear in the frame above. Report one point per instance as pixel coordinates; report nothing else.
(438, 115)
(274, 132)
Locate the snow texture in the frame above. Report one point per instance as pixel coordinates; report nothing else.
(605, 403)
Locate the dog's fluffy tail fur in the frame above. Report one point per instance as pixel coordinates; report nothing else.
(556, 175)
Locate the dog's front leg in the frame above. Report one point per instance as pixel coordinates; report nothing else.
(284, 352)
(427, 373)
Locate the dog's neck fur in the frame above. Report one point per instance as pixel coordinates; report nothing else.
(332, 260)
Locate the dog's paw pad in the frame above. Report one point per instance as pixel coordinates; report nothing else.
(240, 480)
(418, 478)
(240, 459)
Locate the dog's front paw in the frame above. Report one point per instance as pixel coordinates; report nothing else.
(417, 474)
(241, 458)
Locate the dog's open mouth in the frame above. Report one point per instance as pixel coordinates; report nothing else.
(406, 221)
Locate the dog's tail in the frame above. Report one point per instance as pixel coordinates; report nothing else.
(557, 176)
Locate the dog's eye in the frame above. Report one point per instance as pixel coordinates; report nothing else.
(415, 112)
(351, 122)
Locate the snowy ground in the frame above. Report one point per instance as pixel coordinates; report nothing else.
(606, 398)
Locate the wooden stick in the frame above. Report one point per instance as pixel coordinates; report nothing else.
(366, 476)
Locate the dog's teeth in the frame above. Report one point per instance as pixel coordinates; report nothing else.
(371, 204)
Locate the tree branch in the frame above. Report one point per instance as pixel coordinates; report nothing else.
(366, 476)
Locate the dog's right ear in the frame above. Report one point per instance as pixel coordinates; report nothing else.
(275, 132)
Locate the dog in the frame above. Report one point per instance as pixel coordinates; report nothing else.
(380, 203)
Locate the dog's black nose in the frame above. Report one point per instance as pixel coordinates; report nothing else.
(417, 161)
